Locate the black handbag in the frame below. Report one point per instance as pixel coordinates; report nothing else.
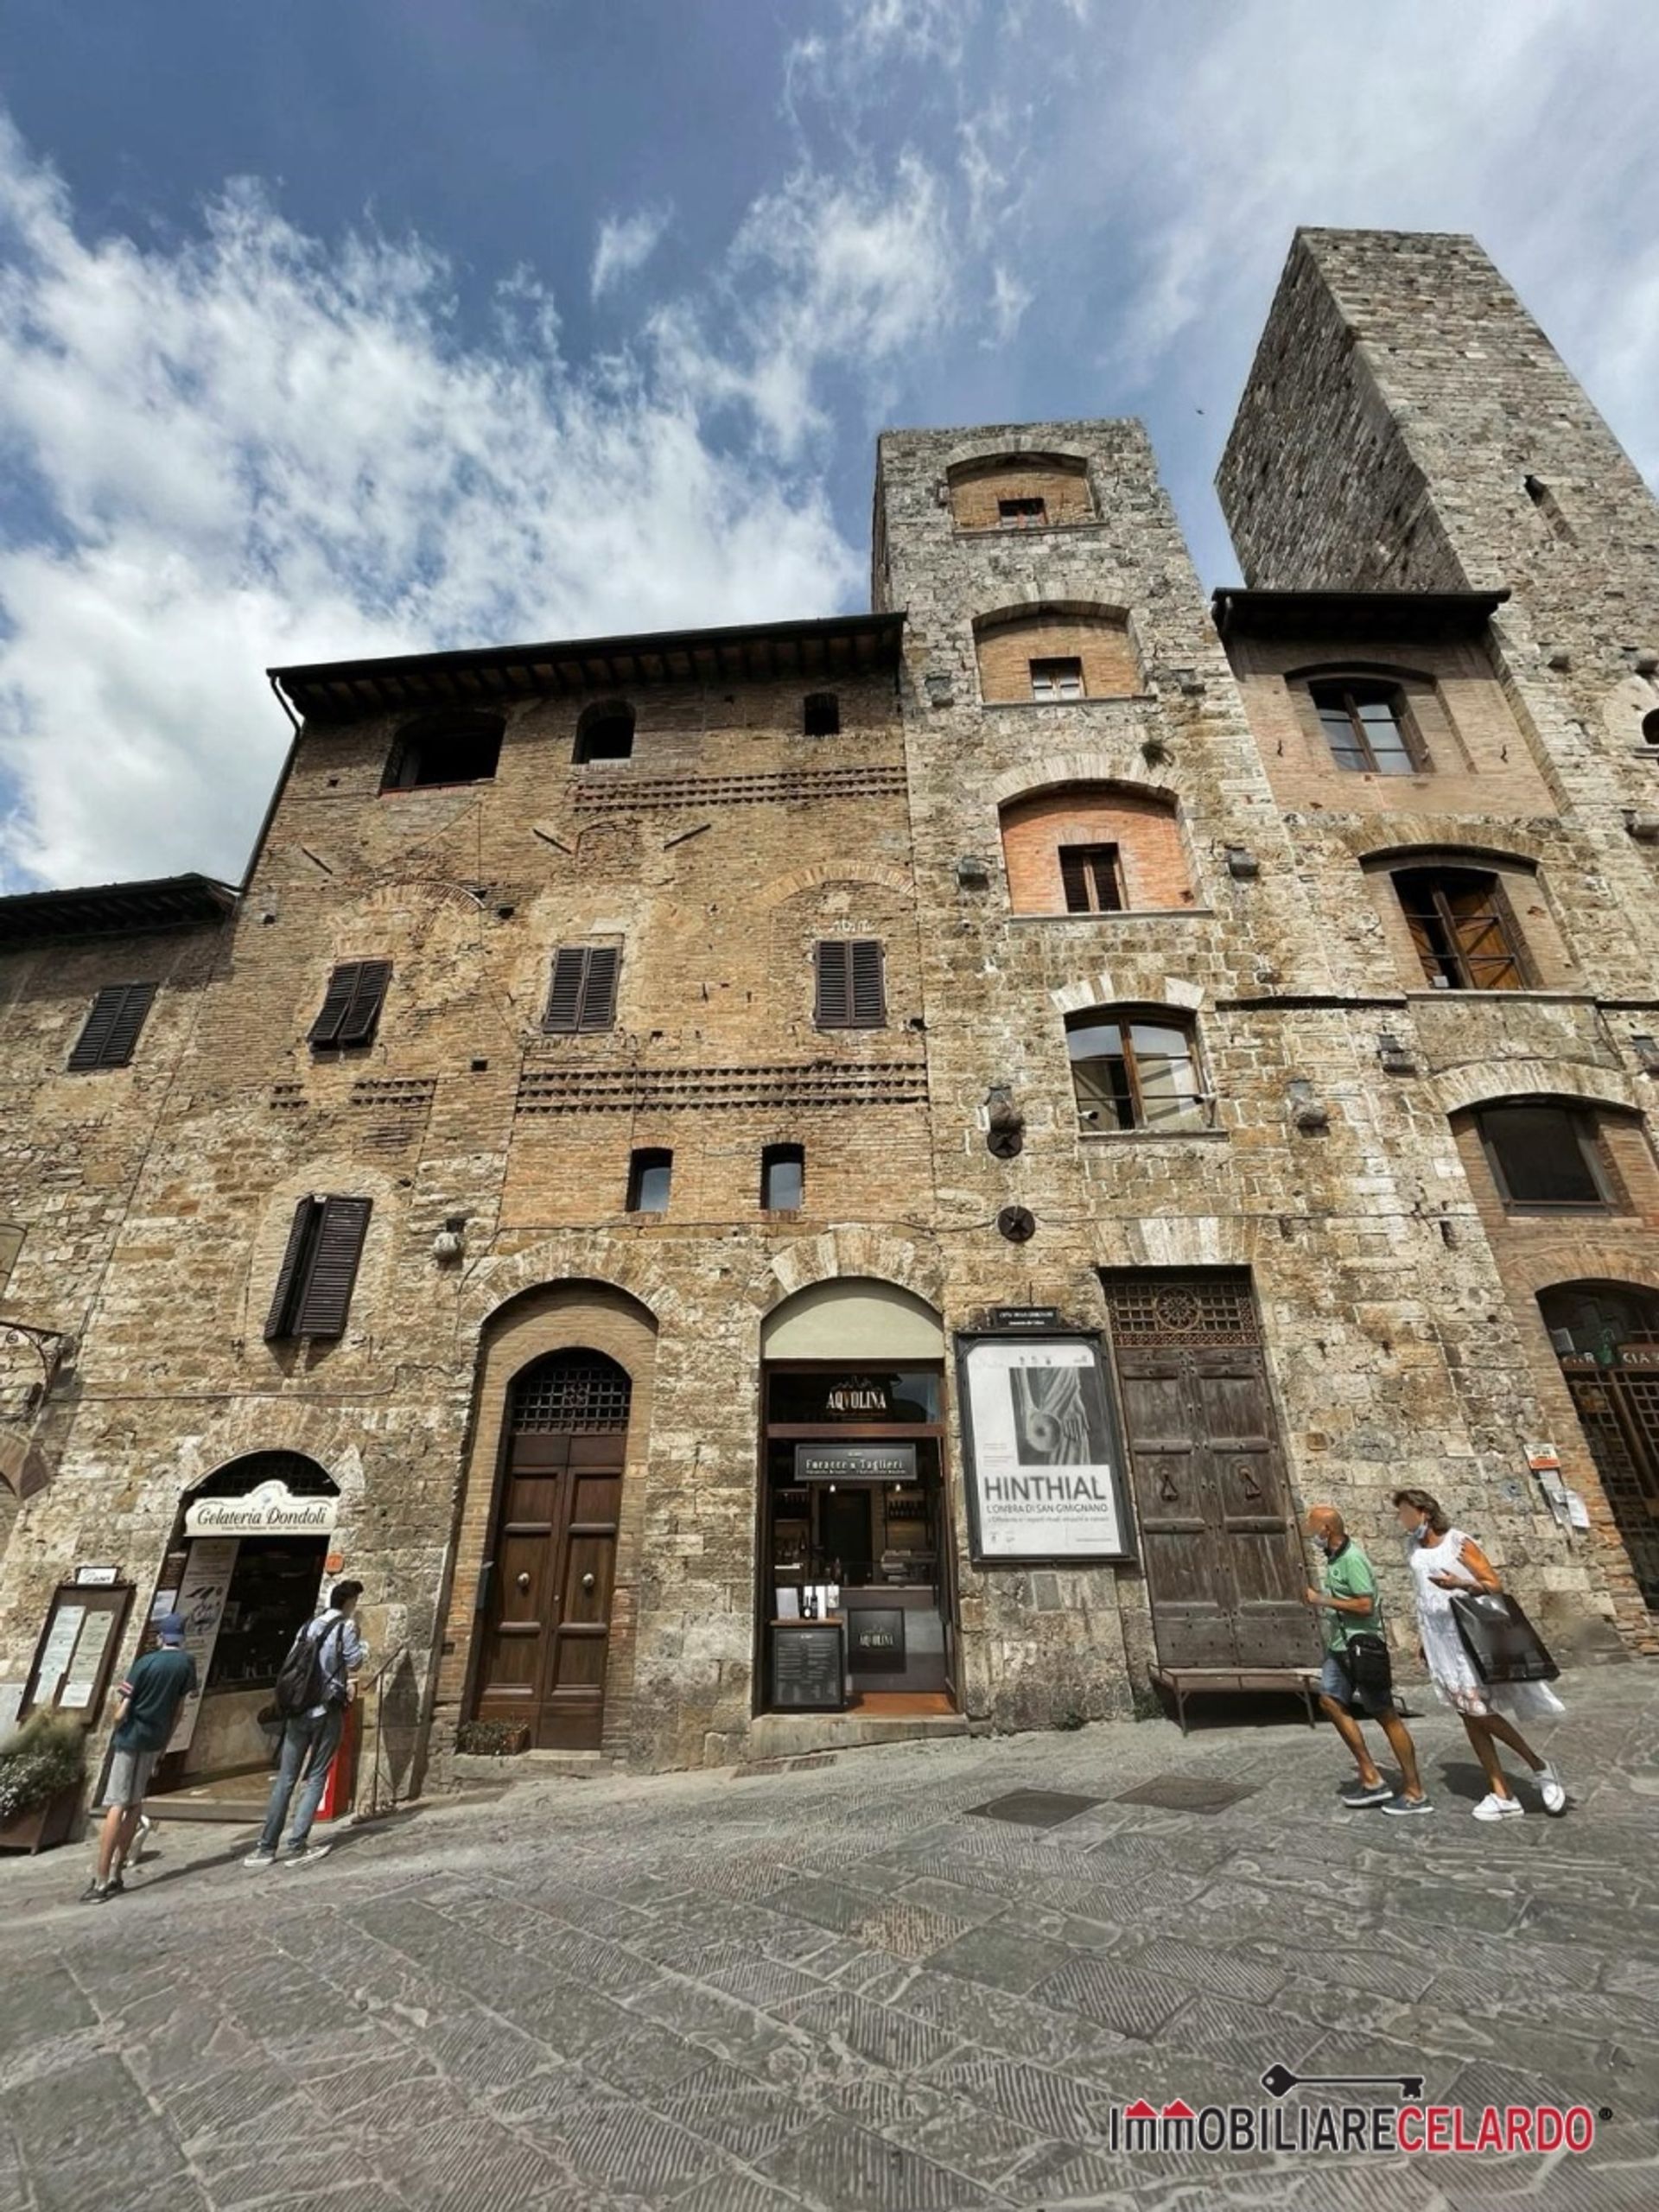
(1370, 1665)
(1502, 1643)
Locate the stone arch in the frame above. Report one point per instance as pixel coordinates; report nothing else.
(782, 888)
(1081, 767)
(1484, 1082)
(1130, 984)
(885, 1320)
(495, 1283)
(851, 1252)
(1395, 840)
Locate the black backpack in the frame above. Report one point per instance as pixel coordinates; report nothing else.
(300, 1683)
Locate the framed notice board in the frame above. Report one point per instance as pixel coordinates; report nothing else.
(808, 1667)
(74, 1660)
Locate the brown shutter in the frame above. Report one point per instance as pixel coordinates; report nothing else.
(869, 985)
(1074, 876)
(599, 989)
(113, 1026)
(336, 1004)
(327, 1297)
(835, 997)
(298, 1237)
(362, 1015)
(564, 998)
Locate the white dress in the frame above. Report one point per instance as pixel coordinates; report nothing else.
(1450, 1667)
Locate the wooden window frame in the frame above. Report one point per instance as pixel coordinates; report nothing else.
(114, 1023)
(851, 983)
(581, 990)
(1049, 662)
(1499, 916)
(352, 1003)
(313, 1296)
(1126, 1021)
(781, 1155)
(1336, 695)
(643, 1161)
(1082, 868)
(1586, 1128)
(1022, 510)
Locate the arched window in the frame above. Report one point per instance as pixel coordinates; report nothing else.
(1048, 655)
(1650, 728)
(1135, 1070)
(1368, 726)
(605, 732)
(459, 747)
(1549, 1156)
(1021, 490)
(569, 1393)
(1462, 927)
(1093, 849)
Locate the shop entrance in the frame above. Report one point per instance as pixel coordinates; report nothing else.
(857, 1594)
(1607, 1336)
(548, 1607)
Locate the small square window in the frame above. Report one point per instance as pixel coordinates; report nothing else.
(1545, 1158)
(1021, 514)
(1092, 879)
(1056, 679)
(459, 749)
(650, 1173)
(821, 714)
(783, 1178)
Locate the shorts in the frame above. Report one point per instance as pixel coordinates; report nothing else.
(1339, 1686)
(130, 1773)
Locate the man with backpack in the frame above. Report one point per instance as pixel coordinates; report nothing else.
(313, 1689)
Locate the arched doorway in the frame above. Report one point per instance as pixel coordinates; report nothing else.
(1607, 1336)
(552, 1564)
(855, 1526)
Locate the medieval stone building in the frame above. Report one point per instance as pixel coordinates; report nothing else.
(774, 1186)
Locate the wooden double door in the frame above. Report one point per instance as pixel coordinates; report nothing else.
(546, 1642)
(1223, 1558)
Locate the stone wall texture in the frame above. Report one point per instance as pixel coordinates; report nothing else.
(1400, 399)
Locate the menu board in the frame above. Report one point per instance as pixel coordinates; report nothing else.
(875, 1640)
(85, 1666)
(807, 1669)
(203, 1589)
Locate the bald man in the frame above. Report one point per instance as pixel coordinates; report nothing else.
(1351, 1606)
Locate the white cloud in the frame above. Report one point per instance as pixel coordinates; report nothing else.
(625, 244)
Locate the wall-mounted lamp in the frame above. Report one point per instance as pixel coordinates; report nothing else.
(973, 874)
(1005, 1125)
(450, 1241)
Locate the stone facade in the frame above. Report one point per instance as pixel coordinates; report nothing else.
(1339, 1196)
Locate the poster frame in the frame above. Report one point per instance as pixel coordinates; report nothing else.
(965, 1341)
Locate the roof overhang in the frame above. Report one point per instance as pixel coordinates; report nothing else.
(844, 646)
(1309, 614)
(165, 902)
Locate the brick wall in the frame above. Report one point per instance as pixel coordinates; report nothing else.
(1144, 830)
(1008, 647)
(976, 488)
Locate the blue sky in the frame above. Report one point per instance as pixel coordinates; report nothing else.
(330, 329)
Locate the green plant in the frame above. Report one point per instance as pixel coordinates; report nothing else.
(47, 1754)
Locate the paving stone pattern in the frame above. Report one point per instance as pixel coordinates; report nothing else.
(845, 1990)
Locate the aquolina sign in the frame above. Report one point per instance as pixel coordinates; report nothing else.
(273, 1510)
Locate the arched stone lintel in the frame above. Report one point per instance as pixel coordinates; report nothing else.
(1483, 1082)
(1072, 768)
(559, 1263)
(1129, 987)
(784, 888)
(867, 1253)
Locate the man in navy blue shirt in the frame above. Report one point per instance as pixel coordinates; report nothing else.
(150, 1700)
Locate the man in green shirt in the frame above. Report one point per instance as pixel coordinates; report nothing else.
(150, 1700)
(1351, 1605)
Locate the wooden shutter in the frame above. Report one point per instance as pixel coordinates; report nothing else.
(835, 989)
(1074, 877)
(327, 1297)
(113, 1026)
(869, 984)
(598, 987)
(352, 1003)
(298, 1237)
(564, 998)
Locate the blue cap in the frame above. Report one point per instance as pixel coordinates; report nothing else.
(170, 1628)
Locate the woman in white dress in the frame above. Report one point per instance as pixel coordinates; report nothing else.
(1443, 1559)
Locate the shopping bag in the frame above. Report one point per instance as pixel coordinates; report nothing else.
(1502, 1643)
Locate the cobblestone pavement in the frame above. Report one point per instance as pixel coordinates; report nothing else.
(843, 1987)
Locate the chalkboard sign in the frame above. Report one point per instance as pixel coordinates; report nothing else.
(807, 1668)
(875, 1640)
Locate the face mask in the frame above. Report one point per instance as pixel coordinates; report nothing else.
(1420, 1534)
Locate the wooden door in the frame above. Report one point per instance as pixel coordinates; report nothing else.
(1223, 1564)
(547, 1633)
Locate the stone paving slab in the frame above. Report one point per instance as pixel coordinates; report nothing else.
(839, 1989)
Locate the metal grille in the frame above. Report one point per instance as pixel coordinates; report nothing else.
(1153, 1308)
(1619, 1415)
(586, 1395)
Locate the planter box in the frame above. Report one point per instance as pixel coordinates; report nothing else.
(48, 1824)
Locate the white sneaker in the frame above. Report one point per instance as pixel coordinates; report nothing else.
(1555, 1794)
(260, 1857)
(1494, 1807)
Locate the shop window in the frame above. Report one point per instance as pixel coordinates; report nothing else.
(1546, 1159)
(821, 714)
(783, 1178)
(851, 984)
(650, 1173)
(352, 1003)
(1368, 727)
(605, 733)
(1091, 879)
(451, 748)
(113, 1026)
(1021, 514)
(582, 994)
(1134, 1072)
(314, 1285)
(1057, 679)
(1462, 928)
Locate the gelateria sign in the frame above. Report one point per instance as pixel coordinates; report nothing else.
(273, 1510)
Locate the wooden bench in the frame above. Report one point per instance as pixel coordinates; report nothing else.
(1183, 1682)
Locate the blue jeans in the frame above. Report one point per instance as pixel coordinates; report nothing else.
(311, 1743)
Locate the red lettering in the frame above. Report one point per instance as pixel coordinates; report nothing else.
(1490, 2137)
(1461, 2139)
(1552, 2131)
(1440, 2127)
(1408, 2127)
(1580, 2128)
(1517, 2127)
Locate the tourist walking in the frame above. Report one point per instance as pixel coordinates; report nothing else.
(1358, 1674)
(313, 1691)
(148, 1701)
(1443, 1560)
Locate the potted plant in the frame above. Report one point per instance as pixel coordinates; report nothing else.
(42, 1766)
